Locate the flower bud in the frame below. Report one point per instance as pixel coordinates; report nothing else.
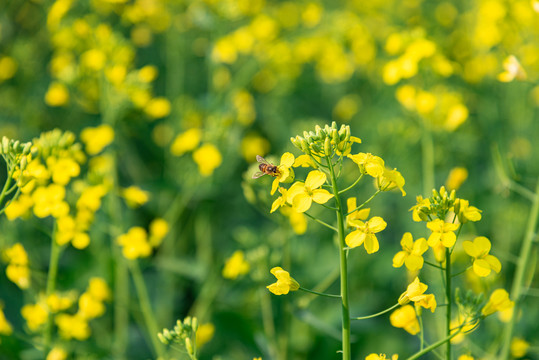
(162, 338)
(189, 346)
(194, 324)
(5, 145)
(23, 163)
(334, 125)
(306, 135)
(26, 149)
(16, 146)
(327, 147)
(335, 136)
(305, 147)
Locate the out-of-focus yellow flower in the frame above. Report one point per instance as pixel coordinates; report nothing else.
(157, 108)
(90, 307)
(204, 334)
(365, 234)
(347, 107)
(381, 357)
(224, 51)
(186, 141)
(483, 263)
(456, 116)
(244, 105)
(50, 201)
(57, 94)
(147, 73)
(312, 14)
(97, 138)
(297, 220)
(252, 145)
(5, 326)
(519, 347)
(285, 283)
(208, 158)
(425, 102)
(135, 243)
(158, 230)
(465, 357)
(135, 196)
(8, 68)
(235, 266)
(57, 353)
(498, 301)
(19, 207)
(221, 78)
(57, 302)
(63, 169)
(264, 28)
(35, 315)
(99, 289)
(116, 74)
(406, 318)
(90, 198)
(456, 177)
(412, 253)
(405, 94)
(72, 326)
(512, 70)
(141, 35)
(93, 59)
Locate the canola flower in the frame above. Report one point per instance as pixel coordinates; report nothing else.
(365, 234)
(498, 301)
(5, 326)
(285, 283)
(235, 266)
(442, 232)
(415, 292)
(405, 317)
(302, 195)
(483, 262)
(411, 254)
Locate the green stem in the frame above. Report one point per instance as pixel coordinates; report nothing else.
(377, 314)
(346, 353)
(427, 152)
(434, 346)
(365, 203)
(433, 265)
(354, 184)
(319, 293)
(6, 185)
(51, 286)
(448, 298)
(321, 222)
(522, 265)
(146, 308)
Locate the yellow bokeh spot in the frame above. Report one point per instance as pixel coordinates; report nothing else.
(208, 158)
(57, 95)
(8, 68)
(157, 108)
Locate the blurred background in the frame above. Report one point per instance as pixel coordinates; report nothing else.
(194, 90)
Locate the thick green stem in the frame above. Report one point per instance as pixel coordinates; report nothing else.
(51, 287)
(448, 299)
(146, 308)
(518, 279)
(346, 354)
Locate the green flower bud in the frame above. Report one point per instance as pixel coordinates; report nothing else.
(23, 163)
(5, 145)
(335, 136)
(26, 149)
(334, 125)
(194, 324)
(305, 147)
(189, 346)
(327, 147)
(16, 146)
(162, 338)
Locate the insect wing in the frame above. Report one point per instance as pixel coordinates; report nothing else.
(258, 174)
(260, 159)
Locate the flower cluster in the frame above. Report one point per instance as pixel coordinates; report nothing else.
(17, 270)
(207, 156)
(183, 333)
(137, 243)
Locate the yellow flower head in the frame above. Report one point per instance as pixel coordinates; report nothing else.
(365, 234)
(465, 357)
(381, 357)
(98, 289)
(90, 307)
(135, 243)
(483, 263)
(63, 169)
(35, 315)
(281, 200)
(466, 212)
(362, 214)
(135, 196)
(204, 333)
(57, 353)
(186, 141)
(456, 177)
(57, 95)
(414, 292)
(389, 180)
(57, 302)
(49, 200)
(369, 164)
(208, 158)
(158, 230)
(286, 173)
(498, 301)
(406, 318)
(97, 138)
(73, 326)
(285, 283)
(442, 232)
(303, 194)
(235, 266)
(519, 347)
(412, 253)
(157, 108)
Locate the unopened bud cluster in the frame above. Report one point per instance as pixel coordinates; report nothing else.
(15, 153)
(184, 333)
(440, 203)
(469, 303)
(59, 143)
(325, 141)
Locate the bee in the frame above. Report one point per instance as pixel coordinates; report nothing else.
(265, 168)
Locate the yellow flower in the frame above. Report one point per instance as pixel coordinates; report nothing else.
(415, 292)
(35, 315)
(57, 95)
(97, 138)
(303, 194)
(8, 68)
(158, 230)
(466, 212)
(365, 234)
(157, 108)
(412, 253)
(498, 301)
(50, 201)
(369, 164)
(186, 141)
(305, 161)
(512, 70)
(16, 255)
(362, 214)
(456, 177)
(135, 196)
(19, 207)
(204, 333)
(285, 172)
(235, 266)
(442, 232)
(483, 263)
(389, 180)
(5, 326)
(208, 158)
(519, 347)
(135, 243)
(20, 275)
(465, 357)
(57, 302)
(90, 307)
(252, 145)
(381, 357)
(284, 284)
(72, 326)
(57, 353)
(406, 318)
(99, 289)
(281, 200)
(90, 198)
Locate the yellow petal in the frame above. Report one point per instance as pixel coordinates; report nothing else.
(377, 224)
(278, 288)
(414, 262)
(315, 179)
(295, 189)
(274, 186)
(276, 204)
(398, 259)
(481, 267)
(321, 196)
(355, 239)
(302, 202)
(371, 244)
(420, 246)
(449, 239)
(407, 241)
(482, 245)
(493, 262)
(469, 248)
(287, 159)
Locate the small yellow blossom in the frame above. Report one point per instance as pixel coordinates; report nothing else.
(99, 289)
(135, 243)
(208, 158)
(285, 172)
(423, 205)
(90, 198)
(135, 196)
(305, 161)
(285, 283)
(466, 212)
(456, 177)
(406, 318)
(365, 234)
(19, 207)
(17, 270)
(389, 180)
(57, 95)
(519, 347)
(90, 307)
(50, 201)
(158, 230)
(442, 232)
(512, 70)
(369, 164)
(498, 301)
(353, 214)
(8, 68)
(252, 145)
(204, 333)
(35, 315)
(72, 326)
(158, 108)
(5, 326)
(281, 200)
(63, 169)
(147, 73)
(303, 194)
(374, 356)
(57, 353)
(57, 302)
(97, 138)
(411, 254)
(416, 292)
(186, 141)
(483, 263)
(235, 266)
(93, 59)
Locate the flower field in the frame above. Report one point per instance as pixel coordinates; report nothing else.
(255, 179)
